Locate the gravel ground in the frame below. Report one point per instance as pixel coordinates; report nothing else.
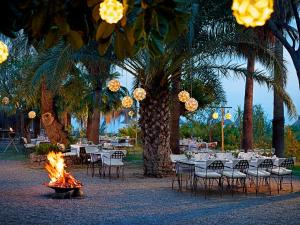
(135, 200)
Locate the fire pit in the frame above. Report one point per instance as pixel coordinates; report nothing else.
(64, 184)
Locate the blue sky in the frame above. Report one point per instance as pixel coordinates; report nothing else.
(235, 89)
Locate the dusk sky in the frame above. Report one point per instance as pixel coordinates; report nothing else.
(235, 90)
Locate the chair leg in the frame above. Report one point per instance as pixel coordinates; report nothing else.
(291, 182)
(205, 187)
(256, 186)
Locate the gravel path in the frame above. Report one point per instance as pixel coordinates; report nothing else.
(136, 200)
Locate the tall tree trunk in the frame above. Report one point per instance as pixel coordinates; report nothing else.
(93, 123)
(155, 132)
(37, 126)
(278, 110)
(174, 117)
(53, 128)
(247, 141)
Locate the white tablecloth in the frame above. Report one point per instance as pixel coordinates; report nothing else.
(88, 148)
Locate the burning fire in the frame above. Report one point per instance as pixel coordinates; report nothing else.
(57, 174)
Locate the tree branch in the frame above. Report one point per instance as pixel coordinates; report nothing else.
(296, 15)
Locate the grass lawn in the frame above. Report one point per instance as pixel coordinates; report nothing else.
(297, 170)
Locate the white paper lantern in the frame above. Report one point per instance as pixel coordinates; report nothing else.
(31, 114)
(183, 96)
(139, 94)
(114, 85)
(127, 102)
(130, 113)
(252, 13)
(191, 105)
(5, 100)
(3, 52)
(215, 115)
(111, 11)
(228, 116)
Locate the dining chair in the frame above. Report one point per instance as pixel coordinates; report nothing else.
(283, 170)
(209, 173)
(238, 172)
(114, 159)
(94, 161)
(261, 172)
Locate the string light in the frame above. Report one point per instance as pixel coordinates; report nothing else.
(31, 114)
(215, 115)
(228, 116)
(5, 100)
(252, 13)
(130, 113)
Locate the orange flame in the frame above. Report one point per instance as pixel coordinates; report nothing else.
(57, 174)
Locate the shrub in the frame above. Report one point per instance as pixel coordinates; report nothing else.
(44, 149)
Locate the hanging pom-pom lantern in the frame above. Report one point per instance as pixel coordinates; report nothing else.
(114, 85)
(183, 96)
(130, 113)
(191, 105)
(5, 100)
(215, 115)
(139, 94)
(252, 13)
(31, 114)
(111, 11)
(127, 102)
(3, 52)
(228, 116)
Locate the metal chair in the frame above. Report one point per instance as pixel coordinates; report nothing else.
(237, 173)
(260, 173)
(183, 169)
(113, 160)
(284, 169)
(83, 155)
(94, 161)
(213, 172)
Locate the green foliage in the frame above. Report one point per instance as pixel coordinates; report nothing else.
(292, 145)
(130, 131)
(44, 149)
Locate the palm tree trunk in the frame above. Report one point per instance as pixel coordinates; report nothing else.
(247, 141)
(53, 128)
(93, 123)
(155, 132)
(175, 116)
(278, 110)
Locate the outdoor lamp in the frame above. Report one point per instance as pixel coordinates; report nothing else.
(183, 96)
(191, 105)
(31, 114)
(5, 100)
(111, 11)
(139, 94)
(215, 115)
(228, 116)
(114, 85)
(3, 52)
(252, 13)
(127, 102)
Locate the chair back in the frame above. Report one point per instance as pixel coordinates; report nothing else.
(266, 164)
(216, 165)
(241, 165)
(94, 157)
(288, 163)
(117, 155)
(82, 152)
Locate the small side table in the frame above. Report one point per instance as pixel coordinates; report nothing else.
(11, 136)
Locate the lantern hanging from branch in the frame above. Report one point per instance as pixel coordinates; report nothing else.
(139, 94)
(191, 105)
(3, 52)
(111, 11)
(215, 115)
(252, 13)
(127, 102)
(5, 100)
(31, 114)
(130, 113)
(228, 116)
(183, 96)
(114, 85)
